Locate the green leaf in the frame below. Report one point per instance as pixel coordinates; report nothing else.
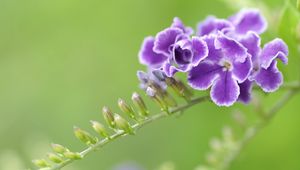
(288, 30)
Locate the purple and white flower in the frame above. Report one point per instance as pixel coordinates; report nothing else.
(227, 64)
(265, 72)
(172, 49)
(225, 55)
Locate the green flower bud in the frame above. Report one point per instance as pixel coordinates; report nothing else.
(157, 98)
(216, 144)
(72, 155)
(84, 136)
(54, 158)
(179, 88)
(211, 158)
(42, 163)
(169, 100)
(59, 148)
(99, 128)
(123, 124)
(126, 108)
(140, 104)
(108, 116)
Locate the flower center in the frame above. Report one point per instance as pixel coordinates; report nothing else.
(182, 56)
(227, 66)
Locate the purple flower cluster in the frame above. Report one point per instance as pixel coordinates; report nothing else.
(225, 55)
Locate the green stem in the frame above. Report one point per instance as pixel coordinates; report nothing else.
(252, 131)
(292, 86)
(135, 127)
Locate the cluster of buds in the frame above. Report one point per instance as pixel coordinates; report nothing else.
(224, 148)
(59, 154)
(155, 85)
(221, 150)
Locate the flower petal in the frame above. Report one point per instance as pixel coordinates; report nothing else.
(177, 23)
(241, 71)
(148, 57)
(214, 55)
(203, 76)
(269, 79)
(200, 50)
(232, 49)
(272, 50)
(249, 20)
(225, 90)
(251, 41)
(169, 70)
(212, 25)
(165, 39)
(245, 91)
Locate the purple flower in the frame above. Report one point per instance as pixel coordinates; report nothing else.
(225, 56)
(265, 72)
(177, 23)
(248, 20)
(239, 24)
(227, 64)
(154, 77)
(172, 49)
(148, 57)
(211, 25)
(186, 54)
(156, 51)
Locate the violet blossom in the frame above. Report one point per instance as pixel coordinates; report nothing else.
(225, 55)
(172, 49)
(227, 64)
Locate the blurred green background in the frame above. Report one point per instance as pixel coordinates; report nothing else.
(62, 60)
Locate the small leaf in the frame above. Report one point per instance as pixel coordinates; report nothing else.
(288, 30)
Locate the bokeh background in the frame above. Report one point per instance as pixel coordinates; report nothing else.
(62, 60)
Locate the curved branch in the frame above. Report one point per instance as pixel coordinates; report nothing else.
(135, 127)
(252, 131)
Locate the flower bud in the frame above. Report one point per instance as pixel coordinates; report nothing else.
(42, 163)
(108, 116)
(211, 158)
(185, 91)
(99, 128)
(59, 148)
(54, 158)
(143, 77)
(216, 144)
(179, 88)
(153, 94)
(72, 155)
(84, 136)
(123, 124)
(126, 108)
(169, 100)
(140, 104)
(159, 75)
(228, 134)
